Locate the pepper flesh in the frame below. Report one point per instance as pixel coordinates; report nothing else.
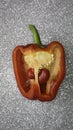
(31, 88)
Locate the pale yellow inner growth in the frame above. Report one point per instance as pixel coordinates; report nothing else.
(39, 59)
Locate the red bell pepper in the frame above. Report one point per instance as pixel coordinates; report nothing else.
(39, 69)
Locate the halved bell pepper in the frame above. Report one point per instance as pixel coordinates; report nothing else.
(39, 69)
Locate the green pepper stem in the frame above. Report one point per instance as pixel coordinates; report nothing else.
(36, 35)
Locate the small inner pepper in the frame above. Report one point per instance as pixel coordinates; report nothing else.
(30, 73)
(43, 77)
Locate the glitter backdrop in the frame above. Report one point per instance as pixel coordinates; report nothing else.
(54, 20)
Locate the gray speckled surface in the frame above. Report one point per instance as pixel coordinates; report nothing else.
(54, 20)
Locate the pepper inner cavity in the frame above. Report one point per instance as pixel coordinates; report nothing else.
(39, 60)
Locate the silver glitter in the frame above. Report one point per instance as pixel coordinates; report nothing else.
(54, 20)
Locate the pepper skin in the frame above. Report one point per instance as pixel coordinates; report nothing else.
(39, 70)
